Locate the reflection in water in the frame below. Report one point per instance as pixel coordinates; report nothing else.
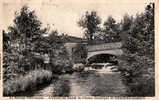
(100, 82)
(62, 87)
(91, 83)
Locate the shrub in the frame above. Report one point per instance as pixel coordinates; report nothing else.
(138, 74)
(27, 82)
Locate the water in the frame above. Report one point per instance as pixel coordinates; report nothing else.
(100, 82)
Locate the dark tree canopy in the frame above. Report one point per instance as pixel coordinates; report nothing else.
(111, 30)
(89, 22)
(110, 23)
(138, 48)
(79, 53)
(126, 22)
(26, 48)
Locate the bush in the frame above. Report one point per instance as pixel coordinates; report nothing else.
(139, 76)
(61, 64)
(138, 73)
(27, 82)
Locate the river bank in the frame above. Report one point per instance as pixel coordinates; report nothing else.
(86, 83)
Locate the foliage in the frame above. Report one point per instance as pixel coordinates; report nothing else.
(60, 61)
(25, 45)
(6, 40)
(126, 22)
(139, 48)
(20, 41)
(110, 33)
(27, 82)
(79, 53)
(90, 23)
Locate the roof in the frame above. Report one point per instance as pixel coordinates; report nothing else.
(72, 39)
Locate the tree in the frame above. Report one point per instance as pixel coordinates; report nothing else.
(111, 30)
(79, 53)
(139, 48)
(90, 23)
(20, 42)
(29, 28)
(53, 46)
(6, 40)
(126, 22)
(30, 33)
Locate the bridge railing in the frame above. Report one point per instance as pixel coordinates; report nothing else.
(106, 46)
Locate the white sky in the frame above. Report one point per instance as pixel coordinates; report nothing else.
(64, 14)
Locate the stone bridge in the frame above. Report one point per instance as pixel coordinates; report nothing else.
(96, 49)
(107, 48)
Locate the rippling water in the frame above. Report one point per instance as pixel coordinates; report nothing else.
(101, 82)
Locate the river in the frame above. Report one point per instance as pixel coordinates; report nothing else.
(100, 82)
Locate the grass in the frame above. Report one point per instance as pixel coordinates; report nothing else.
(27, 82)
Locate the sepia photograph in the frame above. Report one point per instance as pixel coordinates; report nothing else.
(78, 48)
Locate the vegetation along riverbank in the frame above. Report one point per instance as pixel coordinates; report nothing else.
(34, 55)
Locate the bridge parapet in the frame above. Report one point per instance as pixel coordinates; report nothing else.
(106, 46)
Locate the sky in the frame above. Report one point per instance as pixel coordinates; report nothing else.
(63, 15)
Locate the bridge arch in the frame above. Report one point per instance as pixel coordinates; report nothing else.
(103, 58)
(115, 52)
